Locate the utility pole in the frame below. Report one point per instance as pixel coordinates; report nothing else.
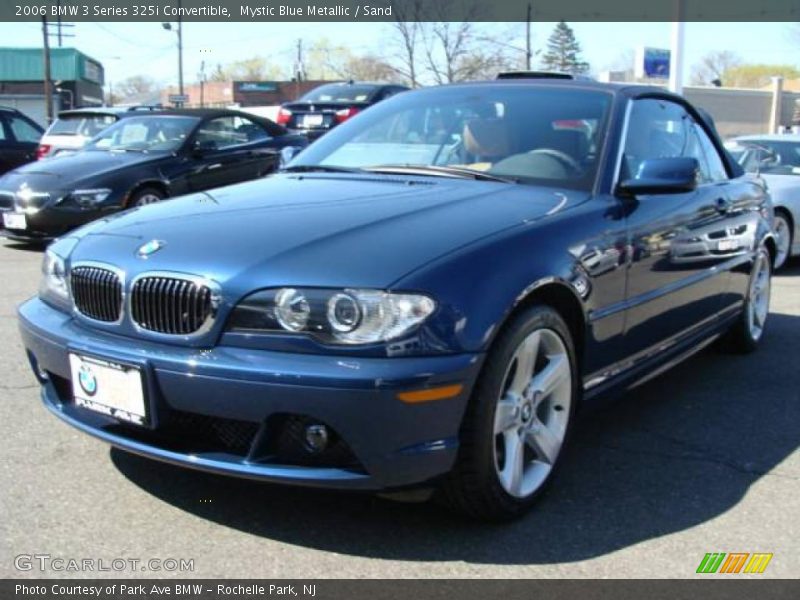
(299, 70)
(676, 50)
(48, 89)
(202, 82)
(180, 49)
(179, 31)
(528, 39)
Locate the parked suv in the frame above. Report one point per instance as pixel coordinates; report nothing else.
(19, 136)
(73, 128)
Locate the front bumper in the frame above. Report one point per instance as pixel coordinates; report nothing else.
(247, 391)
(51, 222)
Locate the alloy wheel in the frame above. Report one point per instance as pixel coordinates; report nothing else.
(147, 198)
(758, 301)
(783, 240)
(532, 412)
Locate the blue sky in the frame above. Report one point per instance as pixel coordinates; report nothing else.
(145, 48)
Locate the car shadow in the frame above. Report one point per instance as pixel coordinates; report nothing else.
(24, 246)
(675, 453)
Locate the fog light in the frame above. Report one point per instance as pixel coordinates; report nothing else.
(316, 438)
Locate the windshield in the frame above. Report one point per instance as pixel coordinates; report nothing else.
(145, 134)
(339, 92)
(546, 136)
(776, 157)
(87, 125)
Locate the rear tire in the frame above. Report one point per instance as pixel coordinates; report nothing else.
(745, 335)
(518, 420)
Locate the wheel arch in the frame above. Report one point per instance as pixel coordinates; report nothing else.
(562, 298)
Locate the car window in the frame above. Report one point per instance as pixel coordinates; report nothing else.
(768, 156)
(531, 135)
(225, 132)
(2, 129)
(24, 131)
(145, 134)
(661, 129)
(716, 167)
(83, 125)
(339, 92)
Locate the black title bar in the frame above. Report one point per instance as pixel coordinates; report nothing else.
(400, 10)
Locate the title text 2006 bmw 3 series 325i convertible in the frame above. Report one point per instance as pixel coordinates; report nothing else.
(423, 298)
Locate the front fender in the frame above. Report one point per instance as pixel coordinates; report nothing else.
(479, 286)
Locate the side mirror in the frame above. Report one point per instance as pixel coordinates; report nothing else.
(203, 147)
(288, 153)
(675, 175)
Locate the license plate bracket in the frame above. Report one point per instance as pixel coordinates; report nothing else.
(313, 120)
(12, 220)
(111, 388)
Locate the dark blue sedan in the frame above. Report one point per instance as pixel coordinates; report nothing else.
(422, 299)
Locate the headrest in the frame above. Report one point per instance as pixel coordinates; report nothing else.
(487, 137)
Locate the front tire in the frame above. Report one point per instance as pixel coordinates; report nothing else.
(518, 420)
(745, 335)
(783, 238)
(146, 196)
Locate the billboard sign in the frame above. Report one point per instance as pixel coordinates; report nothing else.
(652, 63)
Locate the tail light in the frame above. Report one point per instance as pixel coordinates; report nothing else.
(345, 113)
(42, 151)
(284, 115)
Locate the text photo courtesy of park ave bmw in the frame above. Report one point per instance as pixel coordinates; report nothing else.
(366, 299)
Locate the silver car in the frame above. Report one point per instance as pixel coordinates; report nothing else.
(776, 158)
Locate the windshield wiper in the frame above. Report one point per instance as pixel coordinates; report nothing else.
(320, 169)
(442, 171)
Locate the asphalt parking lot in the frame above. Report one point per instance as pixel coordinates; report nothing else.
(702, 459)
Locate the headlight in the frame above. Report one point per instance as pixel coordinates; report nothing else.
(332, 316)
(53, 287)
(89, 198)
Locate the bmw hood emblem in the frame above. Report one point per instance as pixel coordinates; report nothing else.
(149, 248)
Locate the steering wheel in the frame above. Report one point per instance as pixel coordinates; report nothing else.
(563, 157)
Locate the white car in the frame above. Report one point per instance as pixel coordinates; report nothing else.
(73, 128)
(776, 158)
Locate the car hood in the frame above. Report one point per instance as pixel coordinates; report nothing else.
(62, 172)
(315, 230)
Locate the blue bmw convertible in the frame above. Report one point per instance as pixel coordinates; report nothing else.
(422, 299)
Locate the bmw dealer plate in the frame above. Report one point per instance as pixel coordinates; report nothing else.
(110, 388)
(727, 245)
(313, 120)
(14, 221)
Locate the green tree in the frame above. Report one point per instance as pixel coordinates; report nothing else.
(256, 68)
(564, 52)
(758, 76)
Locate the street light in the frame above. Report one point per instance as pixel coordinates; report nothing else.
(179, 31)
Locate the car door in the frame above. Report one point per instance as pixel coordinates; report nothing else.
(677, 240)
(229, 149)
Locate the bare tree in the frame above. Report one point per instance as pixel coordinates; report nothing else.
(712, 68)
(369, 68)
(136, 89)
(456, 50)
(407, 29)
